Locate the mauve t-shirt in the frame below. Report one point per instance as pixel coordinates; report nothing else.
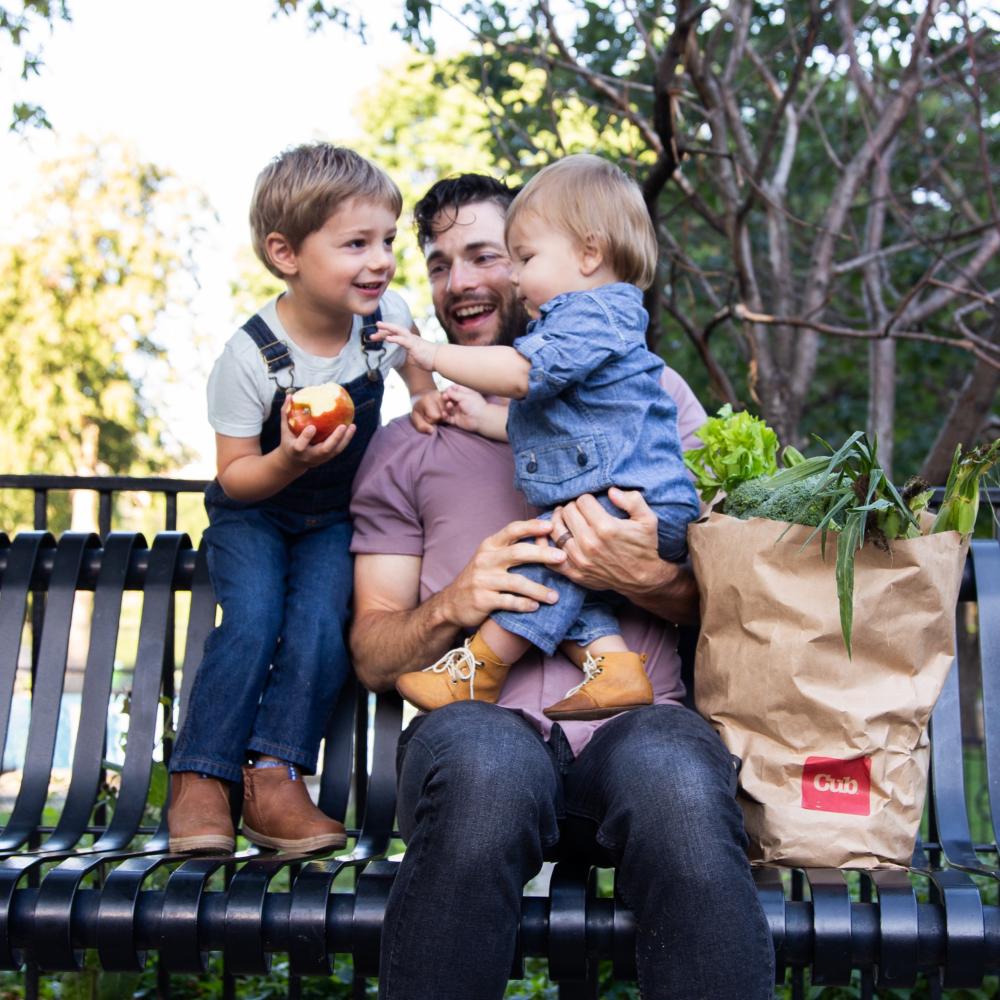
(437, 496)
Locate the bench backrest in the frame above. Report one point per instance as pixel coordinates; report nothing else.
(41, 580)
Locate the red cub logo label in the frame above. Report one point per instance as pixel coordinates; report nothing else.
(841, 786)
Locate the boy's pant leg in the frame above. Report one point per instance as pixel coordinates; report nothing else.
(247, 560)
(478, 803)
(656, 788)
(311, 662)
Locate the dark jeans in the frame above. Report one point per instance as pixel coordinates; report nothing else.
(483, 800)
(273, 669)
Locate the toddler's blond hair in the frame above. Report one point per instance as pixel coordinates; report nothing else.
(590, 199)
(302, 187)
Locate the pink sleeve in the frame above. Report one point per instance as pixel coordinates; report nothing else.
(382, 506)
(690, 413)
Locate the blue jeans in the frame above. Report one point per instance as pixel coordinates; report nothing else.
(483, 800)
(271, 672)
(582, 615)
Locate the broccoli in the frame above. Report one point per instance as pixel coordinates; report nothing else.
(796, 502)
(748, 499)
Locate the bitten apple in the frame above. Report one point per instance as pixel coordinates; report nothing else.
(325, 407)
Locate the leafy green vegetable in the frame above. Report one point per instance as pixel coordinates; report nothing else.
(737, 447)
(847, 492)
(859, 500)
(960, 506)
(795, 501)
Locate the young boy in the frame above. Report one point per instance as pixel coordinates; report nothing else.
(323, 220)
(587, 413)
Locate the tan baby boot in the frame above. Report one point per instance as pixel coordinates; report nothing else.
(472, 672)
(199, 817)
(613, 683)
(278, 812)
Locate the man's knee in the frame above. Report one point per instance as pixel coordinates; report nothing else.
(668, 773)
(478, 764)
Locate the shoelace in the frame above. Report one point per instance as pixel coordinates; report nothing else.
(459, 665)
(591, 668)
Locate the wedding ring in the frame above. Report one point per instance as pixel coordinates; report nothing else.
(563, 538)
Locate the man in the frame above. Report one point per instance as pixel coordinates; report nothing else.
(487, 792)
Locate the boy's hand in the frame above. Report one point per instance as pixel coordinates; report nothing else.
(463, 407)
(421, 351)
(300, 452)
(427, 411)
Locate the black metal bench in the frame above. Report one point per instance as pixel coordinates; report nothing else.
(99, 878)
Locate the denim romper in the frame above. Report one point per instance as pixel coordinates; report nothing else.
(283, 573)
(595, 416)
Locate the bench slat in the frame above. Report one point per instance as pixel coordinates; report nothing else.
(986, 562)
(88, 753)
(47, 690)
(20, 558)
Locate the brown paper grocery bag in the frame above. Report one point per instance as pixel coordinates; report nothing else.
(834, 750)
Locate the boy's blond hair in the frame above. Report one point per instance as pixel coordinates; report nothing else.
(302, 187)
(591, 199)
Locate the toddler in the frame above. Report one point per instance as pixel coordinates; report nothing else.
(586, 413)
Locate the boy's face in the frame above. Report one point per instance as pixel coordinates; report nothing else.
(469, 272)
(345, 266)
(545, 262)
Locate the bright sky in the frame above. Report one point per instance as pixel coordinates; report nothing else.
(211, 90)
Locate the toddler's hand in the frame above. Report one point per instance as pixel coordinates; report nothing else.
(427, 411)
(299, 450)
(463, 407)
(421, 351)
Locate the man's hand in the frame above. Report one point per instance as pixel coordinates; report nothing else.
(485, 586)
(421, 351)
(608, 553)
(427, 411)
(392, 632)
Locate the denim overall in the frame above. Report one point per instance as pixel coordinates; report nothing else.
(283, 574)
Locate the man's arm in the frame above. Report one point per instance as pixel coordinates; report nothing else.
(609, 553)
(392, 633)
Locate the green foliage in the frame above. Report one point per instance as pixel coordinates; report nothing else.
(91, 266)
(734, 227)
(858, 499)
(423, 121)
(16, 27)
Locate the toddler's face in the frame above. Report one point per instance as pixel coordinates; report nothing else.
(545, 262)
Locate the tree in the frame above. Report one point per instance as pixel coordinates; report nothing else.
(15, 29)
(91, 266)
(821, 175)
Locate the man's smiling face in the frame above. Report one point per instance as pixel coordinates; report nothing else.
(469, 272)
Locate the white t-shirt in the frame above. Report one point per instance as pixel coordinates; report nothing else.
(239, 389)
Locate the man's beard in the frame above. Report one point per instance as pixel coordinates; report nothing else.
(512, 320)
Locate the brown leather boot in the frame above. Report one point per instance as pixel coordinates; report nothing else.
(472, 672)
(199, 818)
(614, 682)
(278, 813)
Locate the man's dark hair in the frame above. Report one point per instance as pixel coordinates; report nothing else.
(452, 193)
